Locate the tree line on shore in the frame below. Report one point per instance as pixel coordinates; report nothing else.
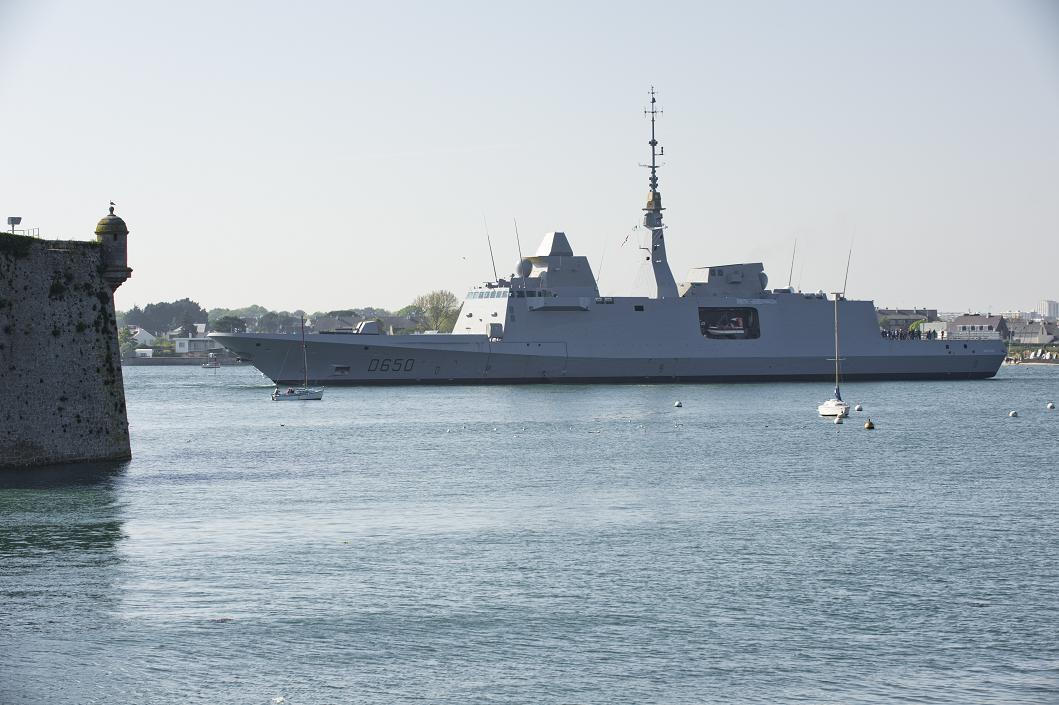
(434, 311)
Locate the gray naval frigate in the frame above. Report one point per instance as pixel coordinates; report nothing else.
(548, 322)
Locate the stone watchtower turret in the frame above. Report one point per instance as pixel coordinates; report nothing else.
(113, 236)
(63, 396)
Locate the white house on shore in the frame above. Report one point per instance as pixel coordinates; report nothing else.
(143, 337)
(197, 344)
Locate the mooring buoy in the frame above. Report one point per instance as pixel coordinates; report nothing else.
(858, 407)
(678, 404)
(868, 424)
(1013, 413)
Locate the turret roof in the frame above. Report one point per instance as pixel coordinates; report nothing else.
(111, 223)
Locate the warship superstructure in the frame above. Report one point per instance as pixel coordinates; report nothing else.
(548, 322)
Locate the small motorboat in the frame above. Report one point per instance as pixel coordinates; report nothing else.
(731, 328)
(212, 362)
(298, 394)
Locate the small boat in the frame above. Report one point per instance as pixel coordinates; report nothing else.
(835, 407)
(732, 328)
(212, 362)
(305, 392)
(299, 394)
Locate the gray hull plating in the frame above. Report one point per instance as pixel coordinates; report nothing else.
(614, 342)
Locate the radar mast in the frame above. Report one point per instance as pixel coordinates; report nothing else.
(652, 220)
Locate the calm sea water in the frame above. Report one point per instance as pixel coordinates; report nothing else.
(543, 544)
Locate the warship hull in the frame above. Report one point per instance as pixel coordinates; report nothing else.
(588, 347)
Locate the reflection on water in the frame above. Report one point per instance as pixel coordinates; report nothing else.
(59, 532)
(62, 476)
(59, 508)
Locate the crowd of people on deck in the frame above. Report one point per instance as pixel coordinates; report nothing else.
(916, 334)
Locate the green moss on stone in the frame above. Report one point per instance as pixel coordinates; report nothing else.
(15, 246)
(57, 290)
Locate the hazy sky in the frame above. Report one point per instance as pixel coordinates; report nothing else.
(320, 155)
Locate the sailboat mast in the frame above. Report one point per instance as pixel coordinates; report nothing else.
(305, 359)
(836, 346)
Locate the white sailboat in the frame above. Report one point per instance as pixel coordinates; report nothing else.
(305, 392)
(835, 407)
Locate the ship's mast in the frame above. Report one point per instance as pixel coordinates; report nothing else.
(652, 220)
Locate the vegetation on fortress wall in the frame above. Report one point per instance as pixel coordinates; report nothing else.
(15, 245)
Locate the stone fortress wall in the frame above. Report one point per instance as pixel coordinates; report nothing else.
(62, 398)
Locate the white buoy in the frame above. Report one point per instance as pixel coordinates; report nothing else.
(1013, 414)
(1050, 406)
(678, 404)
(858, 407)
(838, 419)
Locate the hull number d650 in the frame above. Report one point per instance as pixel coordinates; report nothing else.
(397, 364)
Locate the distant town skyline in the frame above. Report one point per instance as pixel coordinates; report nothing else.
(344, 154)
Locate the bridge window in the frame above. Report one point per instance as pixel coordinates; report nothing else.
(729, 323)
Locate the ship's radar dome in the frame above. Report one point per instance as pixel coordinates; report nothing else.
(524, 268)
(111, 224)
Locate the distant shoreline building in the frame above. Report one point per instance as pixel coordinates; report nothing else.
(196, 344)
(899, 319)
(975, 326)
(142, 336)
(1034, 332)
(1019, 315)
